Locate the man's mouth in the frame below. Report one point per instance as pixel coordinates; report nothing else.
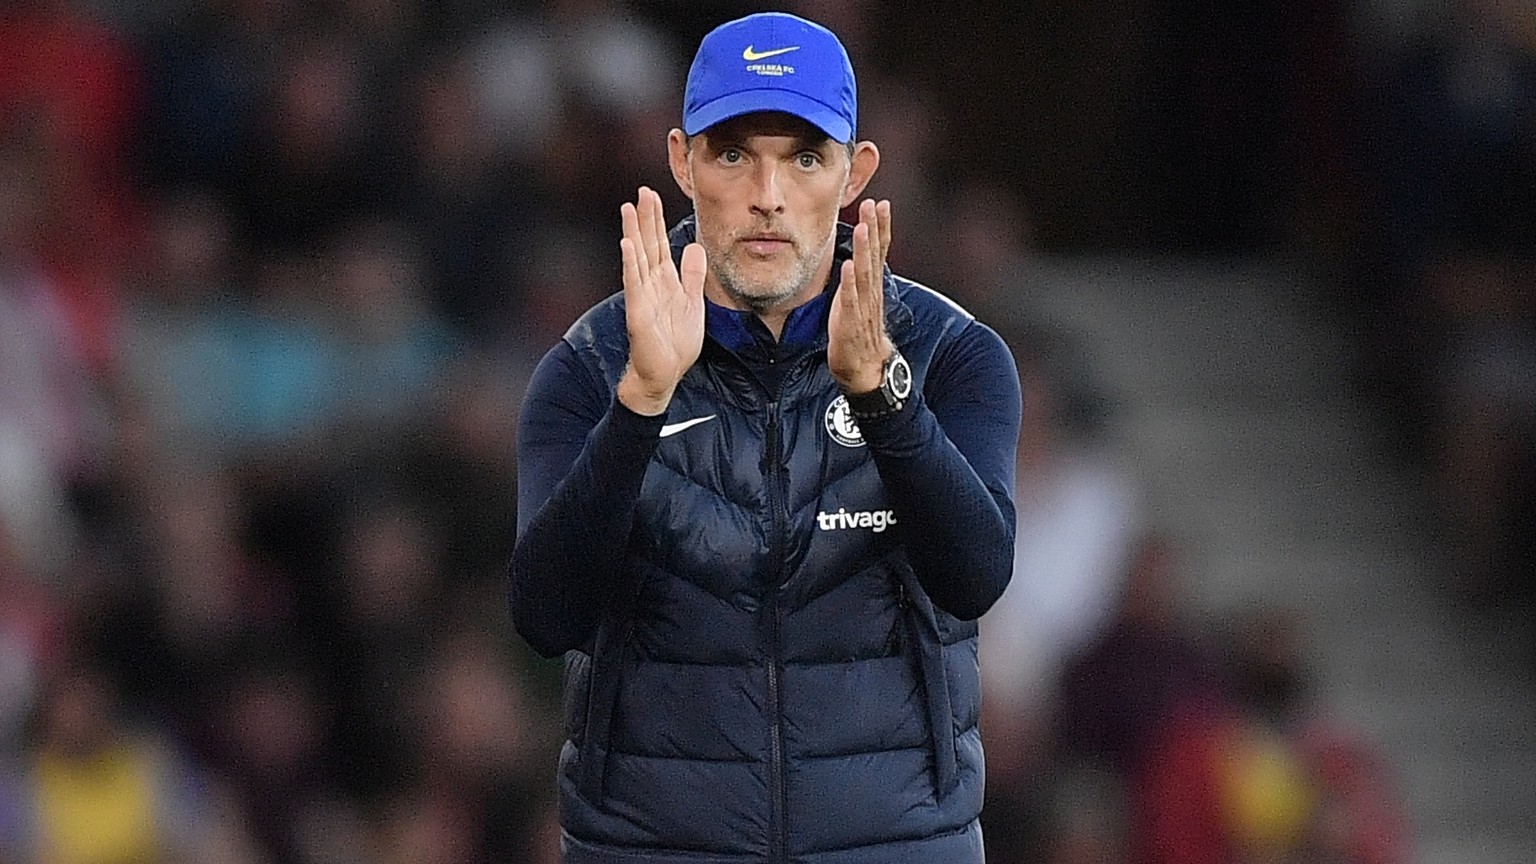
(765, 244)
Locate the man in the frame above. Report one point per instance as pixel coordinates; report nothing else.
(764, 495)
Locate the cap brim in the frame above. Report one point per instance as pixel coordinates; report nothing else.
(769, 99)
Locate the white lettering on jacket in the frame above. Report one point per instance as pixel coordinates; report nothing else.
(875, 520)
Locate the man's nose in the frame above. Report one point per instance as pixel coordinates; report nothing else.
(767, 191)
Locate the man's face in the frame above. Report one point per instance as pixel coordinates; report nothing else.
(766, 192)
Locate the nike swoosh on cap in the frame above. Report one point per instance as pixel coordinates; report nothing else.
(674, 428)
(749, 54)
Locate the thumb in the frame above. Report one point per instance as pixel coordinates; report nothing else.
(692, 270)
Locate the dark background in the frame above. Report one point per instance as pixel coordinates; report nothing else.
(272, 274)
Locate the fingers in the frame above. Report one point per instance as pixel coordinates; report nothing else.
(693, 270)
(883, 218)
(847, 297)
(652, 226)
(646, 227)
(630, 218)
(861, 259)
(877, 215)
(630, 252)
(873, 263)
(841, 318)
(662, 245)
(645, 247)
(870, 270)
(850, 289)
(861, 287)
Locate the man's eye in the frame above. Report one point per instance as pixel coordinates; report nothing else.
(730, 155)
(809, 160)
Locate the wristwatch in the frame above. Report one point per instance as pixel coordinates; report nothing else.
(890, 397)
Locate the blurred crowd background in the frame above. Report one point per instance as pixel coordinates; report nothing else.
(273, 273)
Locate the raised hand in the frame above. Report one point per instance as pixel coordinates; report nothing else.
(857, 345)
(663, 308)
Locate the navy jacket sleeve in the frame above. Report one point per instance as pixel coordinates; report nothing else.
(948, 462)
(581, 460)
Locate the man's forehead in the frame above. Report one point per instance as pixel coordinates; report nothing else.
(768, 123)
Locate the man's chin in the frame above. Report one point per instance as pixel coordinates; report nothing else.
(763, 301)
(758, 294)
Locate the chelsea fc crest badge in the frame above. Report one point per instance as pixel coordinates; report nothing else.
(840, 424)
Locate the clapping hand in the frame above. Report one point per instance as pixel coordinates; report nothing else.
(857, 345)
(663, 308)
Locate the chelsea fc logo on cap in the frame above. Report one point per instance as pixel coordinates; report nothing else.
(840, 424)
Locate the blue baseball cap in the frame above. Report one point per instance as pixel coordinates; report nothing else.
(772, 61)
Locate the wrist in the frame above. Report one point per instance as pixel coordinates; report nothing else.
(890, 395)
(868, 378)
(641, 399)
(866, 381)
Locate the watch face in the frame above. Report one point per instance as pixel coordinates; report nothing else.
(899, 377)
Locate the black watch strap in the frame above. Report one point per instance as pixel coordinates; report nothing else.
(890, 397)
(872, 405)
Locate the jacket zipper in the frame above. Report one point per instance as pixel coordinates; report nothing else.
(778, 829)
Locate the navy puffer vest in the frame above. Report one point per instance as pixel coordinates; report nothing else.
(778, 687)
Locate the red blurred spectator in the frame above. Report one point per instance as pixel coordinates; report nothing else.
(1359, 820)
(1176, 803)
(1257, 774)
(73, 85)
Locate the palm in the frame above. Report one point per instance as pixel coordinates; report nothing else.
(857, 344)
(664, 307)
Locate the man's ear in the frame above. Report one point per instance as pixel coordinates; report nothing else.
(866, 158)
(677, 158)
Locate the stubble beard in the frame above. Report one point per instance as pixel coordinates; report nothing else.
(762, 295)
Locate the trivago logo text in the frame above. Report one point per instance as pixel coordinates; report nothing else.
(875, 520)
